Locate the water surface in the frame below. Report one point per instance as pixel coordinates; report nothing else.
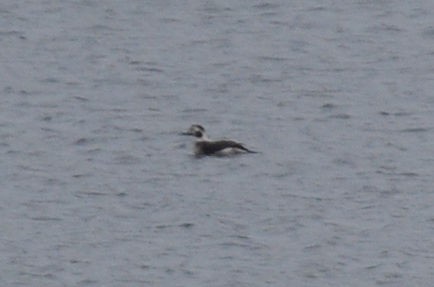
(99, 188)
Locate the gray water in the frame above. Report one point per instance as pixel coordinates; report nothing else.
(99, 189)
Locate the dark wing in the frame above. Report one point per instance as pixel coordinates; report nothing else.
(209, 148)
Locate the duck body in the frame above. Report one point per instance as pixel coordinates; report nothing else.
(222, 147)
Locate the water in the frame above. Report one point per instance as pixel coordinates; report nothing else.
(99, 189)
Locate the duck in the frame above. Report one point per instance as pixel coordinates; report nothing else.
(204, 146)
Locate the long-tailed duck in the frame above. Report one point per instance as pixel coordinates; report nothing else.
(205, 146)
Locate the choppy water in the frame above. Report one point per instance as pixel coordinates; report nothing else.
(99, 189)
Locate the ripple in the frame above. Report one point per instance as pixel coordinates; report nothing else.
(81, 175)
(328, 106)
(92, 193)
(408, 174)
(45, 218)
(428, 33)
(415, 130)
(272, 59)
(195, 110)
(82, 141)
(126, 159)
(186, 225)
(266, 5)
(342, 116)
(81, 99)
